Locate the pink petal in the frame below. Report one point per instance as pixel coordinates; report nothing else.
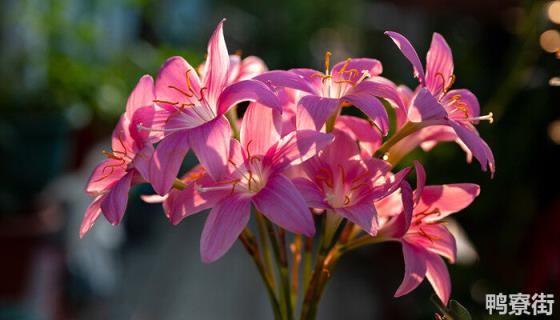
(425, 107)
(105, 175)
(223, 226)
(362, 214)
(247, 90)
(143, 160)
(92, 213)
(441, 241)
(296, 147)
(371, 107)
(280, 202)
(466, 98)
(437, 274)
(251, 66)
(141, 96)
(167, 160)
(287, 79)
(439, 65)
(408, 51)
(172, 76)
(260, 129)
(114, 204)
(153, 198)
(183, 203)
(340, 150)
(399, 225)
(217, 65)
(313, 111)
(150, 123)
(122, 142)
(353, 69)
(414, 268)
(420, 180)
(382, 88)
(447, 198)
(210, 143)
(311, 193)
(480, 150)
(360, 130)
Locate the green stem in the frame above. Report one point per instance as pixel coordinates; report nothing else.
(405, 131)
(250, 244)
(282, 262)
(261, 223)
(231, 115)
(332, 120)
(360, 242)
(307, 253)
(296, 261)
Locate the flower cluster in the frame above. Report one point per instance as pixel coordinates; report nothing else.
(296, 156)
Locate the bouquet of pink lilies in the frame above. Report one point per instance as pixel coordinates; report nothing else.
(320, 182)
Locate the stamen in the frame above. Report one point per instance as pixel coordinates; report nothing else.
(451, 82)
(328, 55)
(489, 117)
(164, 101)
(189, 95)
(202, 93)
(346, 200)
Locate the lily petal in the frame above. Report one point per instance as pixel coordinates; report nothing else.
(247, 90)
(141, 96)
(296, 148)
(167, 160)
(467, 99)
(414, 268)
(183, 203)
(425, 107)
(363, 214)
(352, 69)
(439, 65)
(105, 175)
(260, 129)
(223, 226)
(447, 199)
(408, 51)
(114, 204)
(142, 161)
(313, 111)
(360, 130)
(280, 202)
(478, 147)
(92, 213)
(210, 143)
(311, 193)
(287, 79)
(216, 66)
(372, 107)
(437, 274)
(420, 180)
(172, 85)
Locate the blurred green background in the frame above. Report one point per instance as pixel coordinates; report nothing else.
(67, 66)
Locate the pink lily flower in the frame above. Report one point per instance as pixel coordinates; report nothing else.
(255, 176)
(341, 181)
(191, 113)
(345, 85)
(126, 164)
(435, 104)
(420, 228)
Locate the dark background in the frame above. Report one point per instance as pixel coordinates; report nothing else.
(66, 68)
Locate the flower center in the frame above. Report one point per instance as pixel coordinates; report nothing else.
(335, 86)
